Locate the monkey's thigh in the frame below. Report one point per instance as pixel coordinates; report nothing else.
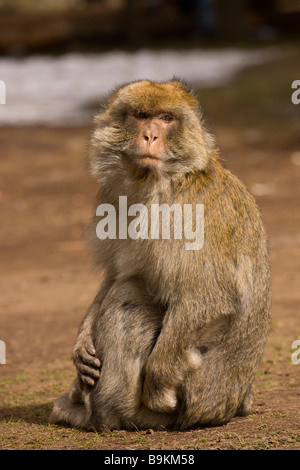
(126, 330)
(218, 391)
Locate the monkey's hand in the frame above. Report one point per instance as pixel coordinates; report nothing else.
(86, 363)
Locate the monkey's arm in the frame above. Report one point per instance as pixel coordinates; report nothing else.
(174, 355)
(83, 355)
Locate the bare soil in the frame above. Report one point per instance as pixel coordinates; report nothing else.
(47, 284)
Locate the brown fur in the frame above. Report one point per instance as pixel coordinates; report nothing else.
(179, 334)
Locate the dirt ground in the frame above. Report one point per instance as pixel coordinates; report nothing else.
(46, 200)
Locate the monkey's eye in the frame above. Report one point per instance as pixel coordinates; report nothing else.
(166, 117)
(141, 115)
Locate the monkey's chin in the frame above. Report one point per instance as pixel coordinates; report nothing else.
(149, 162)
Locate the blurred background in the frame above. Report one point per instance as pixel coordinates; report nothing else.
(60, 57)
(65, 25)
(58, 60)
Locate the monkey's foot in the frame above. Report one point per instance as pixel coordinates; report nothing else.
(76, 395)
(246, 407)
(73, 414)
(164, 401)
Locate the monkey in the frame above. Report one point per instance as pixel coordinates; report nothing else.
(174, 337)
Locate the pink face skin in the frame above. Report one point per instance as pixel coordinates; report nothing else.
(150, 141)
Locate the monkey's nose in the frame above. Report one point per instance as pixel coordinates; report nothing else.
(149, 138)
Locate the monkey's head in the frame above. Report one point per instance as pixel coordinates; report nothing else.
(150, 128)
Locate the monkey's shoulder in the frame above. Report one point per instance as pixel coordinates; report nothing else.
(231, 212)
(217, 186)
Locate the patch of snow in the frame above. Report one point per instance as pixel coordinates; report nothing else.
(58, 90)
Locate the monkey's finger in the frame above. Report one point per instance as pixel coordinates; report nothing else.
(87, 380)
(89, 371)
(88, 359)
(90, 349)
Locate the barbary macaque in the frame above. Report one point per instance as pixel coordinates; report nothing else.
(175, 336)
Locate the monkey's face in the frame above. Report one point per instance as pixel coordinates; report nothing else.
(151, 128)
(148, 147)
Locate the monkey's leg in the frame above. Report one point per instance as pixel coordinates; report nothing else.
(73, 408)
(124, 333)
(215, 393)
(127, 329)
(174, 355)
(222, 387)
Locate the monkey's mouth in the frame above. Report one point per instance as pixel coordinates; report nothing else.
(148, 161)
